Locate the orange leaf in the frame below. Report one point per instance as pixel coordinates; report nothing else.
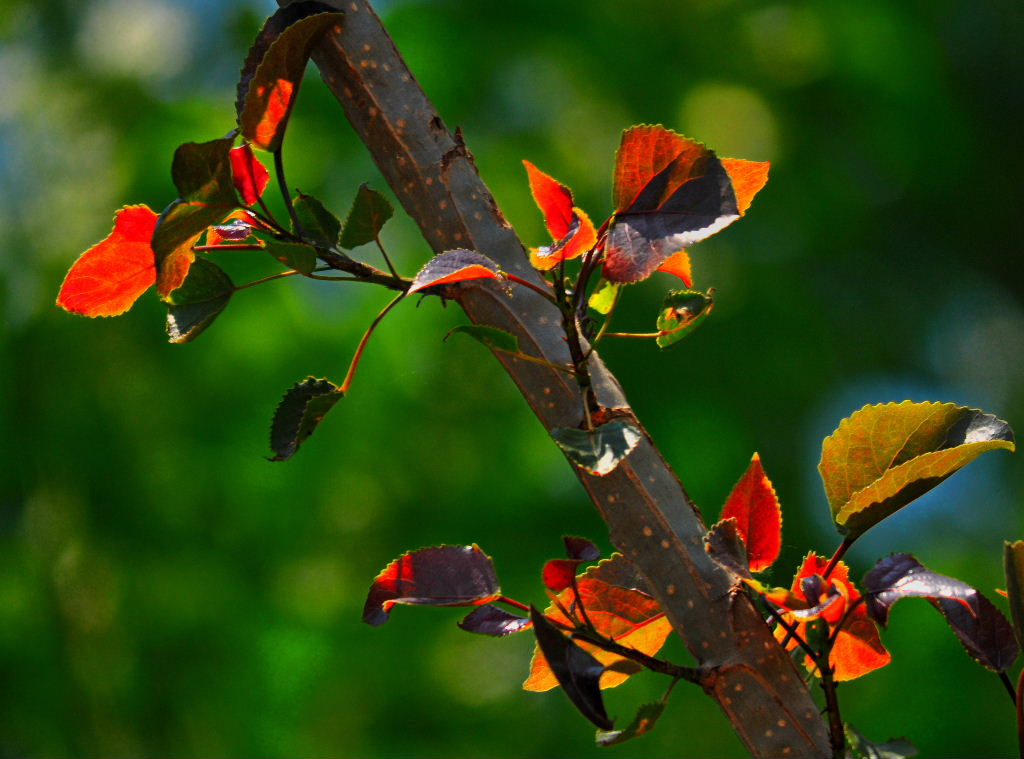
(858, 650)
(748, 177)
(175, 265)
(454, 266)
(643, 152)
(755, 507)
(628, 616)
(678, 264)
(109, 277)
(553, 199)
(581, 238)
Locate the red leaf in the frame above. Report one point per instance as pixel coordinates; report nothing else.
(559, 573)
(109, 277)
(454, 266)
(248, 174)
(670, 192)
(755, 507)
(437, 576)
(554, 200)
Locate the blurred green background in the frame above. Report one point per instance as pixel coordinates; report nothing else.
(167, 592)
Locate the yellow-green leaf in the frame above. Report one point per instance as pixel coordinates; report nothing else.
(883, 457)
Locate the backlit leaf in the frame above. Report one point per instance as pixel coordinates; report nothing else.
(108, 278)
(370, 211)
(600, 450)
(319, 225)
(755, 507)
(569, 227)
(862, 748)
(249, 175)
(646, 717)
(436, 576)
(493, 620)
(294, 255)
(748, 177)
(670, 192)
(678, 265)
(299, 412)
(454, 266)
(681, 313)
(492, 337)
(576, 671)
(628, 615)
(603, 297)
(274, 67)
(202, 175)
(558, 574)
(201, 298)
(883, 457)
(1013, 566)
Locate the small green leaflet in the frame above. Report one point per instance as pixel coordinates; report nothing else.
(604, 295)
(884, 456)
(645, 719)
(294, 255)
(298, 414)
(681, 313)
(320, 226)
(492, 337)
(192, 307)
(370, 210)
(598, 451)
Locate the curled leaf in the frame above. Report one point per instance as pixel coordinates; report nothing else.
(646, 717)
(724, 544)
(681, 313)
(298, 414)
(883, 457)
(493, 620)
(600, 450)
(436, 576)
(570, 228)
(108, 278)
(274, 67)
(454, 266)
(577, 672)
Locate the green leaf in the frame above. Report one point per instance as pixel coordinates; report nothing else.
(192, 307)
(681, 313)
(603, 297)
(1013, 565)
(862, 748)
(598, 451)
(299, 412)
(202, 175)
(883, 457)
(370, 210)
(645, 719)
(294, 255)
(320, 226)
(492, 337)
(266, 98)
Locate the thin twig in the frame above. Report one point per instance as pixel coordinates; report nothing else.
(351, 373)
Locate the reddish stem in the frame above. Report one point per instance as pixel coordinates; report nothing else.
(527, 283)
(840, 552)
(513, 602)
(362, 343)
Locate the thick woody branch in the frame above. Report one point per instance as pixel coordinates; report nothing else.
(649, 515)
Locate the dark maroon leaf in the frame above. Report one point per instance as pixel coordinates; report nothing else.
(621, 572)
(298, 414)
(577, 672)
(436, 576)
(271, 30)
(987, 636)
(580, 549)
(724, 545)
(235, 230)
(493, 620)
(700, 201)
(454, 266)
(902, 576)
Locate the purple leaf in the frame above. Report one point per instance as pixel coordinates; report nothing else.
(902, 576)
(493, 620)
(580, 549)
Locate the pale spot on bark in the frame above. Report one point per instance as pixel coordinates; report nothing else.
(648, 531)
(671, 590)
(665, 544)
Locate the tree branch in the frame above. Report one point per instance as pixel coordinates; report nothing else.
(650, 517)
